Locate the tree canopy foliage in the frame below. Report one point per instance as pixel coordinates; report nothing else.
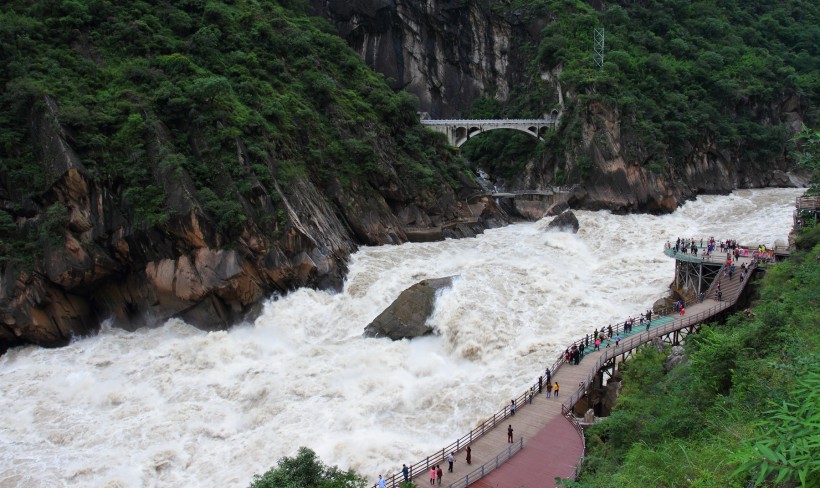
(678, 73)
(229, 96)
(306, 470)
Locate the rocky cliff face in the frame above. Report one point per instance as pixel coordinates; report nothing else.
(448, 53)
(620, 180)
(101, 262)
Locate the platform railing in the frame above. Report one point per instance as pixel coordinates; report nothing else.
(634, 341)
(489, 466)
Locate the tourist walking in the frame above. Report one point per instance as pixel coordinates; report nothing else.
(382, 483)
(433, 475)
(469, 455)
(406, 472)
(509, 434)
(617, 339)
(439, 474)
(555, 388)
(549, 390)
(450, 460)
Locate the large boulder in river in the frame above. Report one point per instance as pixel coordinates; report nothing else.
(566, 221)
(407, 316)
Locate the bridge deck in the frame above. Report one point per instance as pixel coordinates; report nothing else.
(552, 445)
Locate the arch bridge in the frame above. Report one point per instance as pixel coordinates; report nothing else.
(459, 131)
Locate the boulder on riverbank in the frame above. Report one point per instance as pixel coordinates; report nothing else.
(676, 357)
(566, 221)
(407, 316)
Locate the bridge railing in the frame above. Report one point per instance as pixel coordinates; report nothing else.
(439, 457)
(489, 121)
(489, 466)
(634, 341)
(627, 344)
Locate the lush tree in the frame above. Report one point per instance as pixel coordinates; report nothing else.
(306, 470)
(808, 140)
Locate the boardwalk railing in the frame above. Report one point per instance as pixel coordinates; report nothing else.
(634, 341)
(489, 466)
(439, 457)
(627, 343)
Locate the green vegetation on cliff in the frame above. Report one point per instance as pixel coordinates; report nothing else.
(222, 102)
(679, 74)
(742, 408)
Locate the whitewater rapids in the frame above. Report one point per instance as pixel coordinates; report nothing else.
(177, 407)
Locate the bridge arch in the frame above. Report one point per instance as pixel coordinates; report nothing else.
(465, 134)
(460, 131)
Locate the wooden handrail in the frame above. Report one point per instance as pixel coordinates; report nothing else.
(489, 466)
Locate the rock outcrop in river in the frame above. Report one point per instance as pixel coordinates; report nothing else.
(407, 316)
(566, 221)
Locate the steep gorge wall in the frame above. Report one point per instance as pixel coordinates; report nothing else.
(449, 53)
(446, 52)
(103, 262)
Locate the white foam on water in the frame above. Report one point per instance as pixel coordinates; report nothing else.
(175, 406)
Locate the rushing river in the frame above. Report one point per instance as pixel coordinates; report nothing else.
(175, 406)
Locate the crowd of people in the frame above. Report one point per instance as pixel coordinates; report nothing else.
(691, 246)
(604, 336)
(709, 246)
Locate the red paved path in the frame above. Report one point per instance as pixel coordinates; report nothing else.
(554, 451)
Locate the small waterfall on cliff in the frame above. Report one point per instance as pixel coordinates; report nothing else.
(175, 406)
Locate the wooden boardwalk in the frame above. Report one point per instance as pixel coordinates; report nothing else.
(553, 443)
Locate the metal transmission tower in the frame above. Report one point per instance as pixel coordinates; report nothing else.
(598, 41)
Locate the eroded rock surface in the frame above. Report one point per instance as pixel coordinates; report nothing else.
(102, 261)
(566, 221)
(407, 316)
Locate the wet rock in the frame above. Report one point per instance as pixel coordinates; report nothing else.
(557, 209)
(407, 316)
(675, 358)
(567, 221)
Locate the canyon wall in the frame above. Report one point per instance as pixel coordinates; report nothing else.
(102, 262)
(449, 53)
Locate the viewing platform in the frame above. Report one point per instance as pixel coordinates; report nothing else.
(548, 440)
